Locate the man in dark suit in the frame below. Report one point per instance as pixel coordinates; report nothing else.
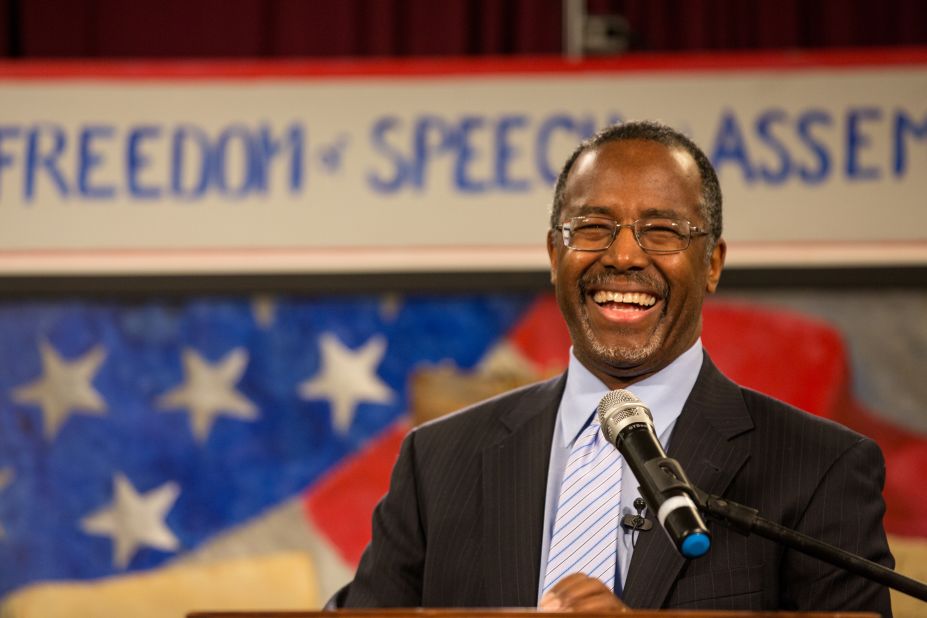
(635, 245)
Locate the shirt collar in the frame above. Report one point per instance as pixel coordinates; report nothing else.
(665, 392)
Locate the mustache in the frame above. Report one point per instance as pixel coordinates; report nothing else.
(638, 278)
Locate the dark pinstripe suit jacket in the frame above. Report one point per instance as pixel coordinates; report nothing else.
(462, 522)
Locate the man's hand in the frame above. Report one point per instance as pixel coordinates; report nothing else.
(580, 593)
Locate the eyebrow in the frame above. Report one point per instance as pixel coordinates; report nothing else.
(588, 210)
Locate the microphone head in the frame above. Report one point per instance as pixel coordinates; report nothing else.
(617, 410)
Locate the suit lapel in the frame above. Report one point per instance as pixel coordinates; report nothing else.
(703, 443)
(514, 488)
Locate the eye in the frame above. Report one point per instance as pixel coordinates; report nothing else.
(592, 227)
(663, 235)
(662, 228)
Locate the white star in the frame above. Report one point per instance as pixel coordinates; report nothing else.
(133, 520)
(65, 387)
(346, 378)
(209, 391)
(6, 477)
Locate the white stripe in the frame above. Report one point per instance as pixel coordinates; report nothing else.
(676, 502)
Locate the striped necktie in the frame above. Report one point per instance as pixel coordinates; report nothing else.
(585, 536)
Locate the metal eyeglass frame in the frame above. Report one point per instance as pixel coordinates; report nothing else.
(566, 229)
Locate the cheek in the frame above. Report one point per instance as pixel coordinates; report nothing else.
(688, 287)
(573, 264)
(566, 284)
(560, 271)
(688, 306)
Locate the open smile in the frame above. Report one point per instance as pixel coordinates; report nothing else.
(632, 299)
(624, 307)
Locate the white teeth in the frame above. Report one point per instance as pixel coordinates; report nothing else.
(632, 298)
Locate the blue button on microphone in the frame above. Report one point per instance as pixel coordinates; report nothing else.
(695, 545)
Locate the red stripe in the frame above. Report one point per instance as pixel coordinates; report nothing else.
(175, 70)
(340, 505)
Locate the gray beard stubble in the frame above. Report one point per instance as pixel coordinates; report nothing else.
(621, 356)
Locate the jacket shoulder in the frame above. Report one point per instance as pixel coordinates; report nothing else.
(771, 414)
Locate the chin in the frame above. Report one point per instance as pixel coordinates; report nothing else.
(620, 355)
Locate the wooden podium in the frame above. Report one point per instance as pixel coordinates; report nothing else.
(527, 613)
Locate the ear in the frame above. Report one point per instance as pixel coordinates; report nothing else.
(553, 254)
(716, 265)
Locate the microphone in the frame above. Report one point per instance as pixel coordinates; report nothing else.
(627, 423)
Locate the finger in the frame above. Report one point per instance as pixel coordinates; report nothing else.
(550, 602)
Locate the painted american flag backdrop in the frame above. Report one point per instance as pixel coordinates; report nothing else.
(135, 435)
(132, 434)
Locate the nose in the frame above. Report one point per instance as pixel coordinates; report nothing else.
(624, 252)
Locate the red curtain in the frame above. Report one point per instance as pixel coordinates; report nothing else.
(368, 28)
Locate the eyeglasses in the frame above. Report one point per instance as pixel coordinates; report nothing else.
(653, 234)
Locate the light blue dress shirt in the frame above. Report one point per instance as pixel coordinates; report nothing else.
(664, 393)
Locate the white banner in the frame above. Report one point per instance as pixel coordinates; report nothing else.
(284, 168)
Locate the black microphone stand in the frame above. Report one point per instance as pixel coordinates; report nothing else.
(667, 474)
(746, 520)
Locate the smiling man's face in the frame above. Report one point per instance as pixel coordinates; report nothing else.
(631, 313)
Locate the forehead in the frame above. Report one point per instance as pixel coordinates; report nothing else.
(634, 175)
